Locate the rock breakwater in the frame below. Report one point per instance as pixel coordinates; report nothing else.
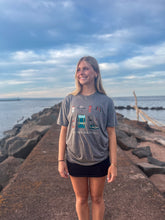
(145, 146)
(20, 141)
(131, 136)
(128, 107)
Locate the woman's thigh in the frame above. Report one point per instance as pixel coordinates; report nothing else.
(80, 186)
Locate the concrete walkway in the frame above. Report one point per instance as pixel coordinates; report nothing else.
(37, 192)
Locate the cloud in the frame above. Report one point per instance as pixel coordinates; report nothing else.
(40, 46)
(108, 69)
(27, 73)
(121, 33)
(150, 56)
(13, 82)
(24, 56)
(51, 56)
(39, 10)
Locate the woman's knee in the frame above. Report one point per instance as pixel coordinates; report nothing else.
(97, 199)
(82, 200)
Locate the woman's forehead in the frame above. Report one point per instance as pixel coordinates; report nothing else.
(83, 62)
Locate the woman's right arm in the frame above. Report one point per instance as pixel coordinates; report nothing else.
(62, 167)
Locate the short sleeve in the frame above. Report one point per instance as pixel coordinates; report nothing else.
(63, 113)
(111, 117)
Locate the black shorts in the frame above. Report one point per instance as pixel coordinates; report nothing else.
(96, 170)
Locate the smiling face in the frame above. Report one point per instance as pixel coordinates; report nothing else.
(85, 74)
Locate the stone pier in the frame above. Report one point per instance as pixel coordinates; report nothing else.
(37, 192)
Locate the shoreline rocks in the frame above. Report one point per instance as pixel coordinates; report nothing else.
(142, 152)
(128, 107)
(148, 153)
(151, 169)
(21, 140)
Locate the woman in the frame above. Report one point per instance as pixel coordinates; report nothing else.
(87, 118)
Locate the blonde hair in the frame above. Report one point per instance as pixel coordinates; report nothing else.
(98, 82)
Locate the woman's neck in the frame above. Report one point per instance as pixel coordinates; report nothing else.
(88, 90)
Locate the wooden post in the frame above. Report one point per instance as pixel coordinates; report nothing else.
(143, 115)
(136, 106)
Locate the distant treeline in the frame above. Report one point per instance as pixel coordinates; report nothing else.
(128, 107)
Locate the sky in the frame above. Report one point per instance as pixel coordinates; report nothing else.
(41, 42)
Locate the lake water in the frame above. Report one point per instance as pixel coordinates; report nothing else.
(142, 101)
(14, 112)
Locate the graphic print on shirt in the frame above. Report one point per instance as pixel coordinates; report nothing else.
(81, 121)
(81, 107)
(92, 123)
(73, 123)
(89, 108)
(86, 117)
(98, 109)
(73, 109)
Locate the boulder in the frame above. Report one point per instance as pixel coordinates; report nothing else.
(8, 168)
(150, 169)
(22, 144)
(3, 157)
(124, 141)
(13, 144)
(14, 131)
(23, 150)
(155, 161)
(142, 152)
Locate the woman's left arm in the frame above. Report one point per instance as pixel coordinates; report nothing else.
(112, 171)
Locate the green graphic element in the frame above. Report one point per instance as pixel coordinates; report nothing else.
(81, 121)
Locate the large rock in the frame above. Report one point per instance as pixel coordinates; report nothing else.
(155, 161)
(8, 168)
(3, 157)
(23, 143)
(150, 169)
(14, 131)
(142, 152)
(23, 150)
(124, 141)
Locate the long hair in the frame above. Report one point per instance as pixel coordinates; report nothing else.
(98, 82)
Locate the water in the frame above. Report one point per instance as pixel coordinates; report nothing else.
(14, 112)
(143, 101)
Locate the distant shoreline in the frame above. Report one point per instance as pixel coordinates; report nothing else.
(10, 100)
(128, 107)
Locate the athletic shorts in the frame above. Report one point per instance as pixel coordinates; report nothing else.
(96, 170)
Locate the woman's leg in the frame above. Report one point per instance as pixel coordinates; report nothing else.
(97, 191)
(80, 187)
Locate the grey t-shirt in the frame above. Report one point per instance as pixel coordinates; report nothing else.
(86, 119)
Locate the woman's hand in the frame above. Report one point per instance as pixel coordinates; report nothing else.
(62, 169)
(112, 173)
